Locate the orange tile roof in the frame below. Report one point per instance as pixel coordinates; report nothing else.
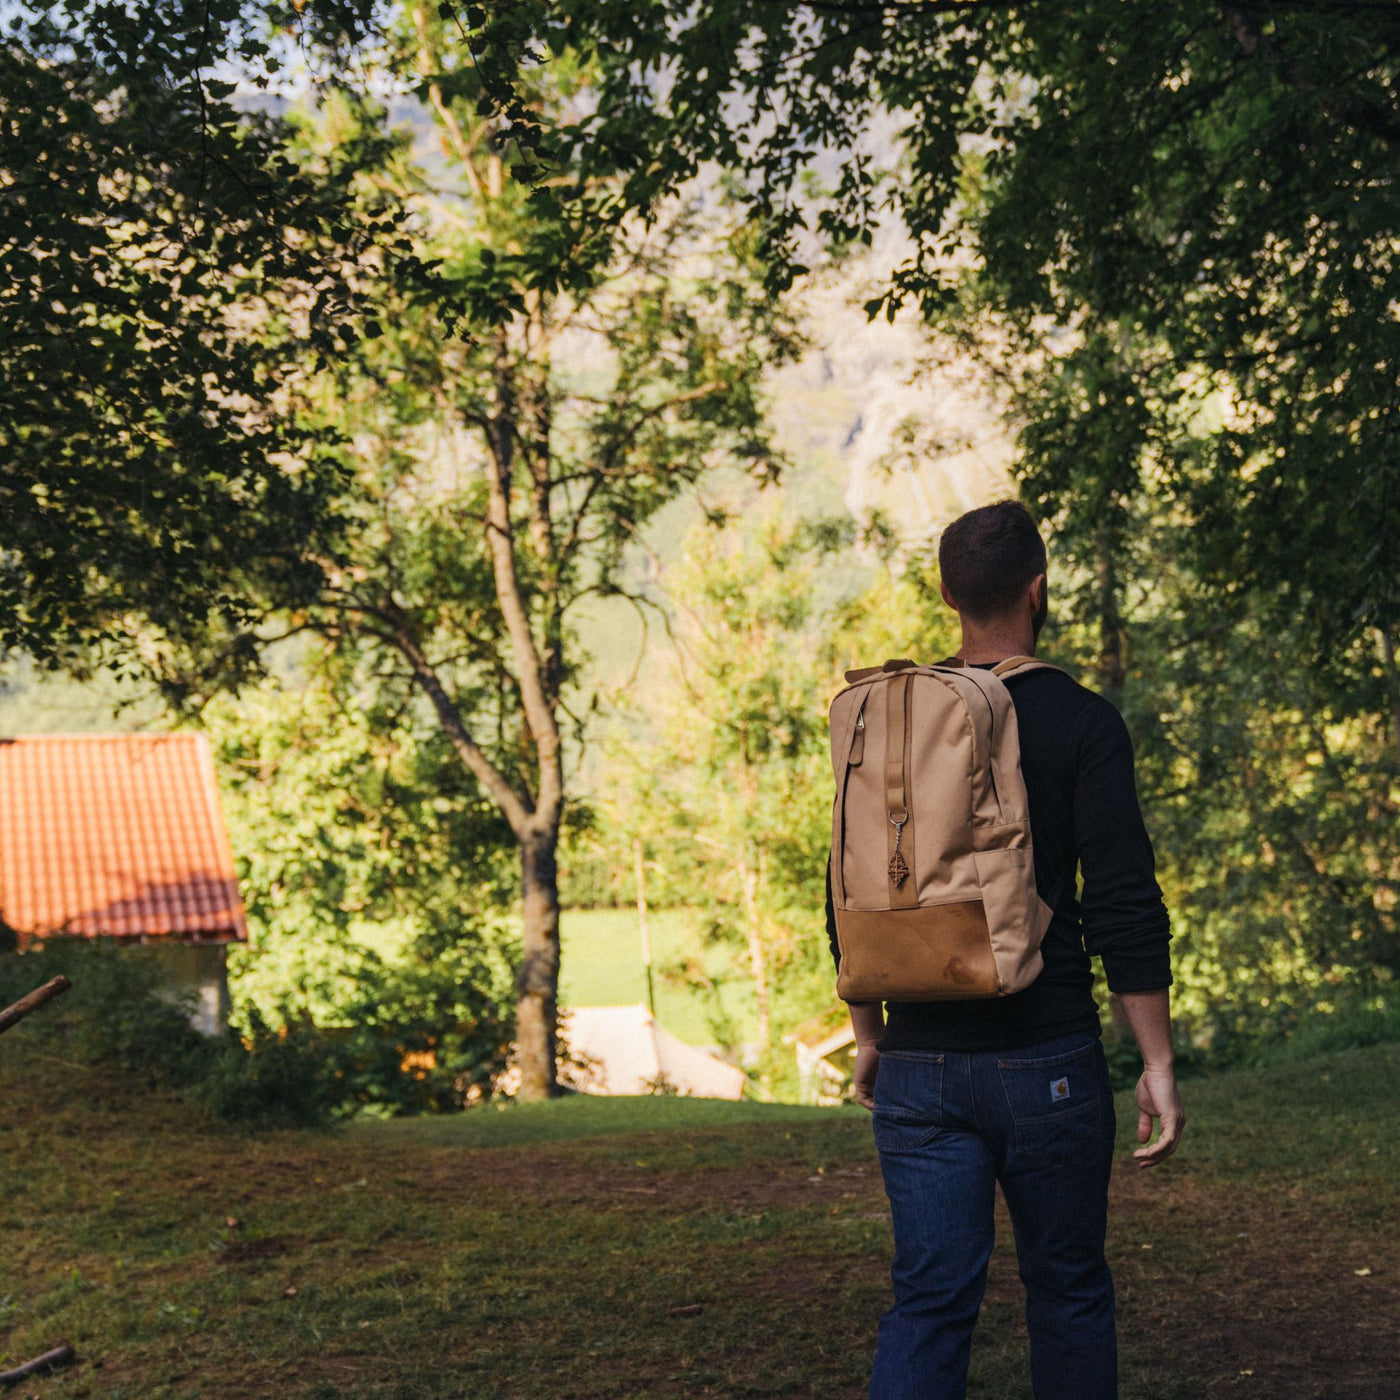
(115, 834)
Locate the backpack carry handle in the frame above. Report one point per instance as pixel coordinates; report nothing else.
(864, 673)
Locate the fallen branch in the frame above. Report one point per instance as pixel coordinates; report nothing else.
(13, 1015)
(63, 1354)
(50, 1360)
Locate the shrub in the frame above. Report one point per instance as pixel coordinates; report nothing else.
(271, 1077)
(117, 1013)
(1350, 1025)
(426, 1034)
(420, 1037)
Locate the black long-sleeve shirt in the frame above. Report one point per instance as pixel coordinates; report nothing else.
(1077, 760)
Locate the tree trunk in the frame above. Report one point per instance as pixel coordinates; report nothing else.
(1109, 666)
(639, 861)
(1392, 681)
(537, 981)
(754, 925)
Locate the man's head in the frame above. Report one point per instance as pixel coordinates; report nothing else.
(993, 565)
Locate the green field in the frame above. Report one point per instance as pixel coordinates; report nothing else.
(602, 966)
(642, 1249)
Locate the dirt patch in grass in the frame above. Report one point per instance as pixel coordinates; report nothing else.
(240, 1251)
(562, 1179)
(1241, 1287)
(1272, 1295)
(1247, 1286)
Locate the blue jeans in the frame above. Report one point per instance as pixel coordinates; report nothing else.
(948, 1127)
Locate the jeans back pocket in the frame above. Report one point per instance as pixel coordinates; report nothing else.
(1056, 1104)
(908, 1101)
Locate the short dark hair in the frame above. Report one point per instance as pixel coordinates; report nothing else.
(988, 556)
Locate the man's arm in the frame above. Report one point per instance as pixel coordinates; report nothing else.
(868, 1022)
(867, 1018)
(1149, 1015)
(1124, 919)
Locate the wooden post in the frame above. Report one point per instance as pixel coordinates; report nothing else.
(13, 1015)
(639, 865)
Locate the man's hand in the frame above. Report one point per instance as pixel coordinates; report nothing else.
(868, 1026)
(1157, 1098)
(1149, 1015)
(863, 1085)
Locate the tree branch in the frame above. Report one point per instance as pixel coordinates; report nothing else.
(452, 128)
(1351, 110)
(536, 697)
(395, 632)
(515, 811)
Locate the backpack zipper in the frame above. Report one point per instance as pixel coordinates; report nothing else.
(991, 746)
(858, 739)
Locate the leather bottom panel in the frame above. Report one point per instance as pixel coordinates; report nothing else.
(941, 953)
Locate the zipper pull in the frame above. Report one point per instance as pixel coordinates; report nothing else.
(858, 740)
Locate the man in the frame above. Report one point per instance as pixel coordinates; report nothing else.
(1015, 1089)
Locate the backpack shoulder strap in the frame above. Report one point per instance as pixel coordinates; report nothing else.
(1019, 665)
(1012, 666)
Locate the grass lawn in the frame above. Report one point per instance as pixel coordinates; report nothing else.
(601, 965)
(606, 1249)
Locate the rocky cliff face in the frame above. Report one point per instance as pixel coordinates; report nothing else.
(910, 431)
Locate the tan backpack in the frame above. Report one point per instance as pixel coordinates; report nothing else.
(932, 876)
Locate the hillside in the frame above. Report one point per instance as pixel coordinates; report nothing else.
(600, 1250)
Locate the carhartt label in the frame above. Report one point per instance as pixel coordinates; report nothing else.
(1059, 1089)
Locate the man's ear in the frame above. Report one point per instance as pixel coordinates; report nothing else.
(1039, 586)
(947, 597)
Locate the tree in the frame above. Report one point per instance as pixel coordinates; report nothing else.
(1198, 197)
(169, 265)
(205, 302)
(503, 472)
(728, 784)
(376, 882)
(1271, 796)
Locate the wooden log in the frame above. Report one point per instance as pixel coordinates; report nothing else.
(49, 1361)
(63, 1354)
(13, 1015)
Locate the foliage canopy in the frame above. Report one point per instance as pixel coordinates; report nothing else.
(1182, 216)
(172, 264)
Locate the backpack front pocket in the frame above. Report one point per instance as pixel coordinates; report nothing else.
(1016, 915)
